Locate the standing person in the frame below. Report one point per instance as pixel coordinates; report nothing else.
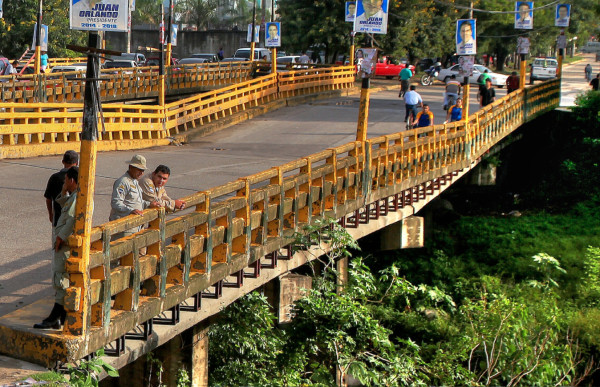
(127, 198)
(455, 111)
(487, 94)
(512, 82)
(588, 72)
(405, 76)
(55, 184)
(412, 100)
(221, 53)
(304, 59)
(595, 83)
(424, 118)
(43, 61)
(453, 88)
(62, 252)
(153, 189)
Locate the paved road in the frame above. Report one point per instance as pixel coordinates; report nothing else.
(246, 148)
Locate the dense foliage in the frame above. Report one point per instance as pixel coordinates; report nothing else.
(491, 299)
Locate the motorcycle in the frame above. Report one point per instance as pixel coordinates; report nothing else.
(428, 78)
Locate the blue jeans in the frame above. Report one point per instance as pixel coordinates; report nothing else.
(410, 109)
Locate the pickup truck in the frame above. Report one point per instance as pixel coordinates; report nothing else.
(543, 69)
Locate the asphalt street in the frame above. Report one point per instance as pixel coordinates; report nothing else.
(246, 148)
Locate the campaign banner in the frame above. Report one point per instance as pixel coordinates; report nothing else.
(366, 58)
(523, 45)
(273, 31)
(174, 28)
(43, 40)
(99, 15)
(465, 66)
(466, 37)
(1, 11)
(371, 16)
(256, 33)
(563, 14)
(524, 15)
(350, 11)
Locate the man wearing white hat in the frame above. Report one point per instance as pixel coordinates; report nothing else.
(127, 195)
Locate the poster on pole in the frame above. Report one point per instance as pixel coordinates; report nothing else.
(563, 14)
(523, 45)
(371, 16)
(465, 66)
(366, 58)
(44, 37)
(466, 37)
(99, 15)
(350, 11)
(1, 10)
(174, 28)
(273, 38)
(256, 33)
(524, 15)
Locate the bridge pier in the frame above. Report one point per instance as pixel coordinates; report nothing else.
(483, 174)
(199, 340)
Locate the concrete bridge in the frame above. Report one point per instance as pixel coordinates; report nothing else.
(238, 233)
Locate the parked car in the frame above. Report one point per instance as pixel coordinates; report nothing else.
(187, 61)
(81, 67)
(25, 70)
(390, 70)
(543, 68)
(153, 61)
(498, 80)
(139, 59)
(287, 62)
(259, 54)
(210, 58)
(120, 64)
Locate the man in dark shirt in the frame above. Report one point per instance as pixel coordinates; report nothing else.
(487, 94)
(595, 83)
(55, 184)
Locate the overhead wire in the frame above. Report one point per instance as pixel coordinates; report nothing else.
(448, 4)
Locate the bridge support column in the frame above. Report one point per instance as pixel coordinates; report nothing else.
(291, 288)
(483, 174)
(199, 335)
(341, 266)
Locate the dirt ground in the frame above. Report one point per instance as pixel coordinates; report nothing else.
(12, 371)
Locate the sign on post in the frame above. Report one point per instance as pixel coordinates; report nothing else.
(523, 45)
(273, 38)
(43, 40)
(371, 16)
(563, 14)
(95, 15)
(465, 66)
(524, 15)
(350, 11)
(174, 34)
(256, 33)
(466, 41)
(365, 60)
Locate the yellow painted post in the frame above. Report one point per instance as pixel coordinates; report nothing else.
(252, 45)
(522, 70)
(561, 55)
(78, 321)
(168, 56)
(38, 40)
(466, 98)
(363, 112)
(274, 61)
(352, 49)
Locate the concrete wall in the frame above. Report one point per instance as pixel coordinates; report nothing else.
(188, 42)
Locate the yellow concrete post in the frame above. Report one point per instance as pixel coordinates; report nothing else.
(78, 320)
(363, 112)
(168, 56)
(561, 55)
(274, 61)
(352, 49)
(466, 99)
(522, 72)
(252, 45)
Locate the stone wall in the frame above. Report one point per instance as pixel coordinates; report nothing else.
(188, 42)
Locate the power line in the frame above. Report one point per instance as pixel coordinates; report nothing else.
(492, 12)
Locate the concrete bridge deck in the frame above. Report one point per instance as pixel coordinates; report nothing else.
(221, 157)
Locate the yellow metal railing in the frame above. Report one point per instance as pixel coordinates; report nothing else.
(33, 129)
(123, 83)
(233, 225)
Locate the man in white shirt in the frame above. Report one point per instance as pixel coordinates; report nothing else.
(412, 100)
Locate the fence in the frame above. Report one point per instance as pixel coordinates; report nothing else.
(232, 226)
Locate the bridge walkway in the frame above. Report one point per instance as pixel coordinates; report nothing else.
(235, 149)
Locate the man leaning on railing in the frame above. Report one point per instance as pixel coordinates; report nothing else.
(153, 189)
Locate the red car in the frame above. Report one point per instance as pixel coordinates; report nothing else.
(389, 70)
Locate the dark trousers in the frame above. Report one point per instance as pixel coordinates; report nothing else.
(410, 109)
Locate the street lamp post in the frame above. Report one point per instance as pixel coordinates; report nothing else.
(38, 36)
(252, 44)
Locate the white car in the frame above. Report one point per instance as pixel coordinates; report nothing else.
(498, 80)
(543, 69)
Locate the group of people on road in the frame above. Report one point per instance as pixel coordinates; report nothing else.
(132, 193)
(595, 82)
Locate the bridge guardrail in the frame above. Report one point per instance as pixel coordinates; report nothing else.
(230, 227)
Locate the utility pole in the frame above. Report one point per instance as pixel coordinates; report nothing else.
(169, 34)
(274, 51)
(161, 59)
(38, 38)
(253, 43)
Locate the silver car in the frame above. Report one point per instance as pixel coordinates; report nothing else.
(498, 80)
